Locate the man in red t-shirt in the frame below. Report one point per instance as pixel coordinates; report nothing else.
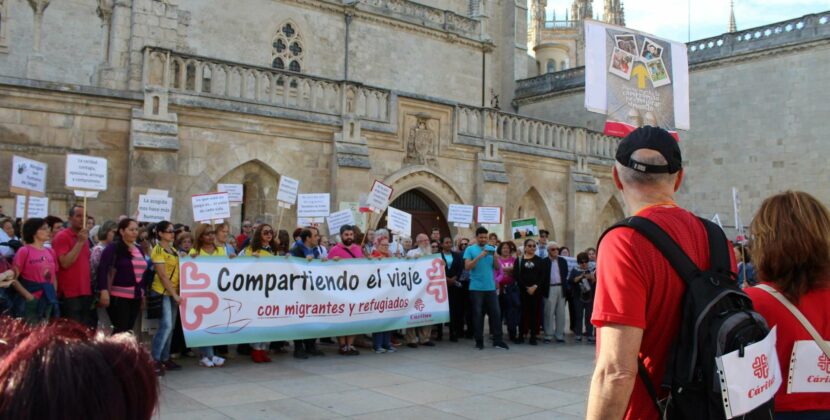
(638, 294)
(246, 233)
(74, 286)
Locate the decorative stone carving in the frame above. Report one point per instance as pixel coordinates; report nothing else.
(38, 6)
(422, 142)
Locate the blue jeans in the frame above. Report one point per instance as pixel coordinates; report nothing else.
(382, 340)
(486, 302)
(206, 352)
(161, 341)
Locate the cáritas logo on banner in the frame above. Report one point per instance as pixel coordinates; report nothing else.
(226, 301)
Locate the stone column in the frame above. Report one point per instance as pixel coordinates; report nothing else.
(36, 63)
(491, 185)
(350, 163)
(582, 206)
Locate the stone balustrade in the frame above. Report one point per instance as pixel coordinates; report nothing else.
(188, 74)
(494, 125)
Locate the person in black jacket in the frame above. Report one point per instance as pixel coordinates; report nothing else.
(454, 265)
(583, 281)
(556, 272)
(306, 247)
(530, 276)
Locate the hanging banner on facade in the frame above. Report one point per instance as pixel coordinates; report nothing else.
(246, 300)
(28, 176)
(635, 79)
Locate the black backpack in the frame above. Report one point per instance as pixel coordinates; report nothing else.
(717, 318)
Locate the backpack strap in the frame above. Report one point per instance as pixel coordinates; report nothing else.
(800, 316)
(682, 264)
(718, 249)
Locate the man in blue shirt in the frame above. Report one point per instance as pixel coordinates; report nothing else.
(480, 261)
(306, 247)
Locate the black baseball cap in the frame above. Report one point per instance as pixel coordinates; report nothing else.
(653, 138)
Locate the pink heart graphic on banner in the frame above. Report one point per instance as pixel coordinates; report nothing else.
(196, 280)
(436, 271)
(199, 309)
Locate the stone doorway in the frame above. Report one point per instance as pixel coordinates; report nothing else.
(425, 213)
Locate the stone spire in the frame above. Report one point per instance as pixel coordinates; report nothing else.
(537, 23)
(612, 13)
(732, 26)
(582, 9)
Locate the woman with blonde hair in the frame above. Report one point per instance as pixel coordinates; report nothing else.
(791, 253)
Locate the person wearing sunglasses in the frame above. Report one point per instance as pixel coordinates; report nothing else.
(263, 244)
(205, 245)
(530, 276)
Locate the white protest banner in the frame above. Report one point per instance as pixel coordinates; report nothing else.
(751, 379)
(313, 205)
(488, 215)
(245, 300)
(287, 192)
(153, 191)
(235, 192)
(208, 207)
(28, 176)
(378, 197)
(86, 172)
(399, 221)
(809, 368)
(635, 79)
(154, 208)
(38, 207)
(340, 218)
(460, 215)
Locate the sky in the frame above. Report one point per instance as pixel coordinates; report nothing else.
(670, 18)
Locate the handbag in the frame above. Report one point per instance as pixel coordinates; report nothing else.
(154, 301)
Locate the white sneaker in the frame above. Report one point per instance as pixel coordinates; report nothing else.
(205, 362)
(218, 361)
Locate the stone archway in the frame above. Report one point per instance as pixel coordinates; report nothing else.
(260, 184)
(430, 184)
(425, 213)
(532, 204)
(611, 213)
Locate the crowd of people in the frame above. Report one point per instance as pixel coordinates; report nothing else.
(103, 275)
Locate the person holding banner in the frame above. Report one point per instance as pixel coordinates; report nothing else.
(262, 244)
(420, 335)
(306, 247)
(74, 285)
(205, 245)
(345, 249)
(165, 285)
(791, 250)
(119, 277)
(382, 341)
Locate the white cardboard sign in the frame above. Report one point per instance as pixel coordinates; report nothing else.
(213, 206)
(154, 208)
(751, 380)
(287, 192)
(379, 197)
(340, 218)
(235, 192)
(809, 368)
(460, 214)
(399, 222)
(28, 175)
(86, 172)
(38, 206)
(488, 215)
(313, 205)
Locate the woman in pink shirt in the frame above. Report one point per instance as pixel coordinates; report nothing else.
(509, 299)
(36, 269)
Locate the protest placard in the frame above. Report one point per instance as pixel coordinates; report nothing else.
(461, 215)
(524, 228)
(354, 207)
(313, 205)
(635, 79)
(209, 207)
(378, 197)
(38, 207)
(287, 192)
(399, 221)
(235, 192)
(28, 176)
(488, 215)
(154, 208)
(297, 299)
(340, 218)
(86, 172)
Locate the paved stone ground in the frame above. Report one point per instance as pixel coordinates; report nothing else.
(449, 381)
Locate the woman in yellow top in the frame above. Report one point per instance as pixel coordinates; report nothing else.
(262, 244)
(205, 245)
(166, 283)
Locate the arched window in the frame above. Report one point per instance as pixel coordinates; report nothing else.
(563, 65)
(287, 49)
(551, 66)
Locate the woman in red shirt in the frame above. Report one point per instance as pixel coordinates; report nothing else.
(791, 252)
